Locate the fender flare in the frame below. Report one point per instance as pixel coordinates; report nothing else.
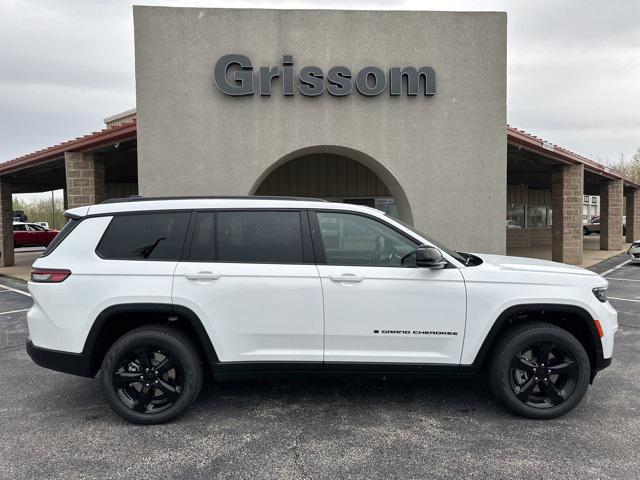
(502, 319)
(159, 308)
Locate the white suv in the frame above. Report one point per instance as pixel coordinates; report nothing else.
(147, 291)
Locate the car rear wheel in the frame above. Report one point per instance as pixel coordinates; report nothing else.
(151, 375)
(539, 370)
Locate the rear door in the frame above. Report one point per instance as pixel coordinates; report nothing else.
(250, 277)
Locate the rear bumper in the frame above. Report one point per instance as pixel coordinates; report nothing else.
(72, 363)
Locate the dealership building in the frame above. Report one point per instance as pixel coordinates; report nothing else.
(401, 111)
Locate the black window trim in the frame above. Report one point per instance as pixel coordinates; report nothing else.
(308, 251)
(62, 234)
(318, 244)
(113, 215)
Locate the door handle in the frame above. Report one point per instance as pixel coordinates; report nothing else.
(346, 278)
(202, 276)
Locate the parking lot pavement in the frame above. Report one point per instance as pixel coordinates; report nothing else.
(58, 426)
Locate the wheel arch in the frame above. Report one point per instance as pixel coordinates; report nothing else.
(576, 320)
(116, 320)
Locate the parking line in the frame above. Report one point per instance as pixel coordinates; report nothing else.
(623, 279)
(623, 299)
(14, 311)
(15, 290)
(615, 268)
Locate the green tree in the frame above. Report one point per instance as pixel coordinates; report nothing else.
(39, 210)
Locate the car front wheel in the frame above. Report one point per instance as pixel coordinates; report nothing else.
(585, 231)
(539, 370)
(151, 375)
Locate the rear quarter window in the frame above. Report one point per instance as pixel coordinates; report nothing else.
(64, 233)
(144, 236)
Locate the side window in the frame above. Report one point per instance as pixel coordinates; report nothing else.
(19, 228)
(356, 240)
(258, 237)
(144, 236)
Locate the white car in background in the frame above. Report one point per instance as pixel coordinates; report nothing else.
(634, 251)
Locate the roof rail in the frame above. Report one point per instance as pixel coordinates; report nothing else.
(139, 198)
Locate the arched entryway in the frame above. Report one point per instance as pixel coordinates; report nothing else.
(337, 174)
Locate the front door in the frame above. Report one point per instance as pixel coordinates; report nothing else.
(251, 279)
(378, 306)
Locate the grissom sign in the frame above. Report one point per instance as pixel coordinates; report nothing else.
(234, 75)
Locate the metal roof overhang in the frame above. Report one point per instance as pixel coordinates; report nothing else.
(87, 143)
(110, 136)
(560, 155)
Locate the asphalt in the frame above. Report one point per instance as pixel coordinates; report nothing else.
(54, 425)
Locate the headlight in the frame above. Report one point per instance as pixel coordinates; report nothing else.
(600, 293)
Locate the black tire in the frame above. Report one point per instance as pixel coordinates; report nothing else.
(164, 391)
(585, 231)
(529, 389)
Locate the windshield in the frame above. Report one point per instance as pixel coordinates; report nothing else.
(458, 256)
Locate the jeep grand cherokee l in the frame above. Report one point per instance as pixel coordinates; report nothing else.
(149, 292)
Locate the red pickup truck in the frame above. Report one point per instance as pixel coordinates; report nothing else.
(32, 234)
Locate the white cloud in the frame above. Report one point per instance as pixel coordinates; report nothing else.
(573, 67)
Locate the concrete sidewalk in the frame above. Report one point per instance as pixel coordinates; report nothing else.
(24, 258)
(591, 253)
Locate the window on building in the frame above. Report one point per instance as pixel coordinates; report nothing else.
(362, 241)
(384, 204)
(259, 237)
(586, 199)
(144, 236)
(537, 216)
(516, 215)
(594, 200)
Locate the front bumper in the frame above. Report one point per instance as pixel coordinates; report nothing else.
(72, 363)
(634, 253)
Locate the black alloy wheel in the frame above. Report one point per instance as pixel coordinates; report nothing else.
(148, 379)
(544, 374)
(539, 370)
(151, 374)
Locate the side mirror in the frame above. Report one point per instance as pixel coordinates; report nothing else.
(429, 257)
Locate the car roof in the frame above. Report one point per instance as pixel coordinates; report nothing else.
(138, 204)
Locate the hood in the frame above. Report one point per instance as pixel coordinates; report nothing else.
(533, 265)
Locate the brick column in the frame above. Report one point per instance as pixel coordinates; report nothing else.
(566, 200)
(6, 225)
(85, 179)
(611, 215)
(633, 215)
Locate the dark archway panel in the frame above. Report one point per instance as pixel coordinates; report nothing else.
(323, 175)
(334, 173)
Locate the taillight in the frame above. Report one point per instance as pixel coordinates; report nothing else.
(49, 275)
